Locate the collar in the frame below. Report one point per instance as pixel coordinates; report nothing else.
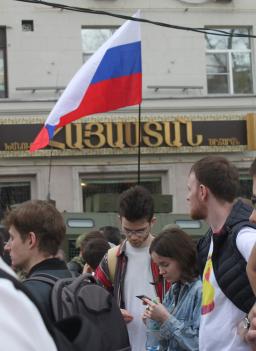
(50, 263)
(122, 248)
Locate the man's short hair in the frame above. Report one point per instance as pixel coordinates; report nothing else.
(94, 234)
(219, 175)
(94, 250)
(42, 218)
(136, 203)
(253, 168)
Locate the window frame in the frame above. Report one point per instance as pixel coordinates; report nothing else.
(12, 182)
(3, 47)
(86, 56)
(229, 74)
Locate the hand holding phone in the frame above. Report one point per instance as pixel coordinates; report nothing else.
(141, 297)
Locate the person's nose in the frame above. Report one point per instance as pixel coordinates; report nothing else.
(133, 236)
(161, 270)
(7, 246)
(252, 217)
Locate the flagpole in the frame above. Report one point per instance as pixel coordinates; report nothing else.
(139, 142)
(49, 176)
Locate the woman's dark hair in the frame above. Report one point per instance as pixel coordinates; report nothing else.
(178, 245)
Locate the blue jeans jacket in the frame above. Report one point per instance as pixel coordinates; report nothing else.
(180, 331)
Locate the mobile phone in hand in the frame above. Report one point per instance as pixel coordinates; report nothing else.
(141, 297)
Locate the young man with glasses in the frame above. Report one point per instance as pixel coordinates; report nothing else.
(134, 273)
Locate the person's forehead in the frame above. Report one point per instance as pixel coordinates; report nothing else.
(13, 231)
(192, 179)
(134, 224)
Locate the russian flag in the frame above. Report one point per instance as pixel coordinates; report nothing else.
(110, 79)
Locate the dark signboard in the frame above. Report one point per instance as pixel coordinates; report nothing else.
(159, 135)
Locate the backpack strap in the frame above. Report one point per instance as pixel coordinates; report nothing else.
(112, 261)
(43, 277)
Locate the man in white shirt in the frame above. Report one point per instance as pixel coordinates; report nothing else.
(223, 252)
(134, 272)
(21, 325)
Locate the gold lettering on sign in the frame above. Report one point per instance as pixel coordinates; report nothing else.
(95, 135)
(189, 132)
(167, 134)
(223, 141)
(16, 146)
(99, 133)
(57, 144)
(128, 127)
(78, 142)
(251, 131)
(153, 134)
(119, 134)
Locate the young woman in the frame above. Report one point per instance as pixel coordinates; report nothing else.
(179, 315)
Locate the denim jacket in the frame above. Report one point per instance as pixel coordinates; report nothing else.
(180, 331)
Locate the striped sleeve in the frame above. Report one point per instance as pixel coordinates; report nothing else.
(102, 274)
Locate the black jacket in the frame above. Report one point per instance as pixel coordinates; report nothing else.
(41, 290)
(228, 264)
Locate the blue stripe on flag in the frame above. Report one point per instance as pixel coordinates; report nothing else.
(50, 129)
(119, 61)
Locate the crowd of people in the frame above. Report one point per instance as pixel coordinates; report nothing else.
(198, 296)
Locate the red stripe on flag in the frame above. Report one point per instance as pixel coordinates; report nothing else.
(41, 140)
(107, 96)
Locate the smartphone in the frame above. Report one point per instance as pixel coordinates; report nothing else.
(141, 297)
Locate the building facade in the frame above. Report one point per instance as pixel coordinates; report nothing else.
(198, 99)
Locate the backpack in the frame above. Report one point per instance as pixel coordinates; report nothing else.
(70, 334)
(83, 296)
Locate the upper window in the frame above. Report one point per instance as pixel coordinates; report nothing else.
(3, 69)
(93, 38)
(229, 62)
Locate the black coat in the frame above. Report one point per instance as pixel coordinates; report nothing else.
(41, 290)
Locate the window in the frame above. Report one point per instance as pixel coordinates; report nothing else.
(93, 38)
(102, 195)
(12, 193)
(229, 63)
(27, 25)
(3, 68)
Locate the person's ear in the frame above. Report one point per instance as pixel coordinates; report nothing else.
(32, 239)
(203, 191)
(153, 221)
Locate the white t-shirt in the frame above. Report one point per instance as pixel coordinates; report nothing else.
(137, 282)
(21, 325)
(219, 316)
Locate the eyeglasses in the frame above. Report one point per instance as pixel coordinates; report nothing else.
(253, 200)
(139, 232)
